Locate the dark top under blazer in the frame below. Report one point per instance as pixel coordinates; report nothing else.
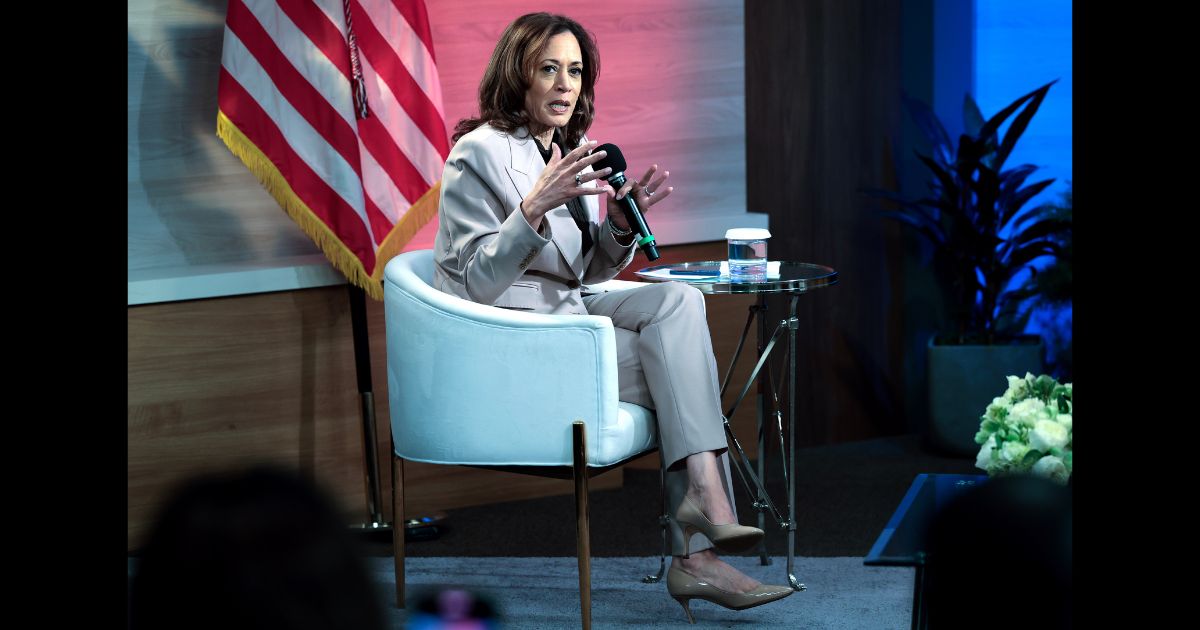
(485, 250)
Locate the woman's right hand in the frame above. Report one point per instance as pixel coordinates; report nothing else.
(558, 184)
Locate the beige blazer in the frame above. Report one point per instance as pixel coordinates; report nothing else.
(485, 250)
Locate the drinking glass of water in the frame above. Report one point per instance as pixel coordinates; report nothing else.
(747, 254)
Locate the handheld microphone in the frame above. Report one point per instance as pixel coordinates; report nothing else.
(633, 214)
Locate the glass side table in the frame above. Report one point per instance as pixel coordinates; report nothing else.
(784, 277)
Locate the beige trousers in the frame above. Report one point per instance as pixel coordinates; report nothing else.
(666, 363)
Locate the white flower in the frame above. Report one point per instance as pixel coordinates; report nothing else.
(1028, 412)
(1051, 468)
(1021, 428)
(996, 410)
(1048, 434)
(984, 459)
(1012, 452)
(1014, 389)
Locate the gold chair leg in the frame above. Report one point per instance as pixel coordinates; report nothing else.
(398, 526)
(579, 469)
(664, 521)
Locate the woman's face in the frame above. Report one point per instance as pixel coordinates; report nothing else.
(557, 80)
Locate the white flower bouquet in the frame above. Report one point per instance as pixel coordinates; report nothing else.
(1028, 430)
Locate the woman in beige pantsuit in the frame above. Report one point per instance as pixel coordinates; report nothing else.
(519, 227)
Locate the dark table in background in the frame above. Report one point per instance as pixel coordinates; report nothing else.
(902, 542)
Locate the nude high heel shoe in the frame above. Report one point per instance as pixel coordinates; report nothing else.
(731, 537)
(684, 587)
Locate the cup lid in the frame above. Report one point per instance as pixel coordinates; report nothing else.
(747, 234)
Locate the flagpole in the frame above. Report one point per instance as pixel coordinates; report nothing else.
(362, 368)
(273, 107)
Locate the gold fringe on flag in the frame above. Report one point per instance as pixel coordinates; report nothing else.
(417, 216)
(335, 250)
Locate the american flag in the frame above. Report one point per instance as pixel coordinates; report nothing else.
(336, 107)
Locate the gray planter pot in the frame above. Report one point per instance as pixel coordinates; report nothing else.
(963, 380)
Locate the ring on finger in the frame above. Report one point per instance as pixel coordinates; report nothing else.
(578, 180)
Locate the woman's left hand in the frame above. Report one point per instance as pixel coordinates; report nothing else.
(646, 191)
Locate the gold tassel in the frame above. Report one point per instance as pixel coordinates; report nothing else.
(334, 249)
(417, 216)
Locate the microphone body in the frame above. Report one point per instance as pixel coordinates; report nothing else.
(629, 207)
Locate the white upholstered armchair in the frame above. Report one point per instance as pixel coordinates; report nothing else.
(470, 384)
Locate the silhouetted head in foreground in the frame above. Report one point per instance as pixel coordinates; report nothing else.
(259, 549)
(999, 556)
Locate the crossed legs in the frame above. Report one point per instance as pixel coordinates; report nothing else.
(706, 490)
(666, 363)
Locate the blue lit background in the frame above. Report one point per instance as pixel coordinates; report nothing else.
(1021, 45)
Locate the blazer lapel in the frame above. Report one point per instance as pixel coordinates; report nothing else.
(525, 167)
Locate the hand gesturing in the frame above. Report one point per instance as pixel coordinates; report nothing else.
(562, 180)
(646, 192)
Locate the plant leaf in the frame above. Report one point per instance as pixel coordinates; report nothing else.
(944, 178)
(1012, 179)
(1021, 122)
(1026, 254)
(1021, 197)
(917, 212)
(1054, 229)
(931, 127)
(1010, 184)
(931, 232)
(987, 190)
(994, 122)
(972, 117)
(973, 125)
(1042, 212)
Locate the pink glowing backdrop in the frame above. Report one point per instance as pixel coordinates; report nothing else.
(671, 91)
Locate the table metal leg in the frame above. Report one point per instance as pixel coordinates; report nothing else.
(793, 324)
(918, 607)
(766, 384)
(741, 343)
(763, 558)
(738, 454)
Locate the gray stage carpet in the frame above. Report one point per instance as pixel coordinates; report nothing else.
(543, 593)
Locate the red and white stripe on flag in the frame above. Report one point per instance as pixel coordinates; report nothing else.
(360, 187)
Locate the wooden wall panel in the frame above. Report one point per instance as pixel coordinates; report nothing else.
(224, 383)
(823, 114)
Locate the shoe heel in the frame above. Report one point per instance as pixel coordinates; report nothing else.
(683, 601)
(688, 531)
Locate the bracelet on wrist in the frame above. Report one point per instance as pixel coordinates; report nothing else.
(616, 231)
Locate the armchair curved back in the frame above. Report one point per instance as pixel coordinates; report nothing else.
(475, 384)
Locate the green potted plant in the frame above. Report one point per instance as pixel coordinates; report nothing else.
(1045, 296)
(981, 242)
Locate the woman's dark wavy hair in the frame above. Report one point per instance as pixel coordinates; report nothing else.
(510, 73)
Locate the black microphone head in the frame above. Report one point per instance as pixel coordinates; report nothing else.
(613, 160)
